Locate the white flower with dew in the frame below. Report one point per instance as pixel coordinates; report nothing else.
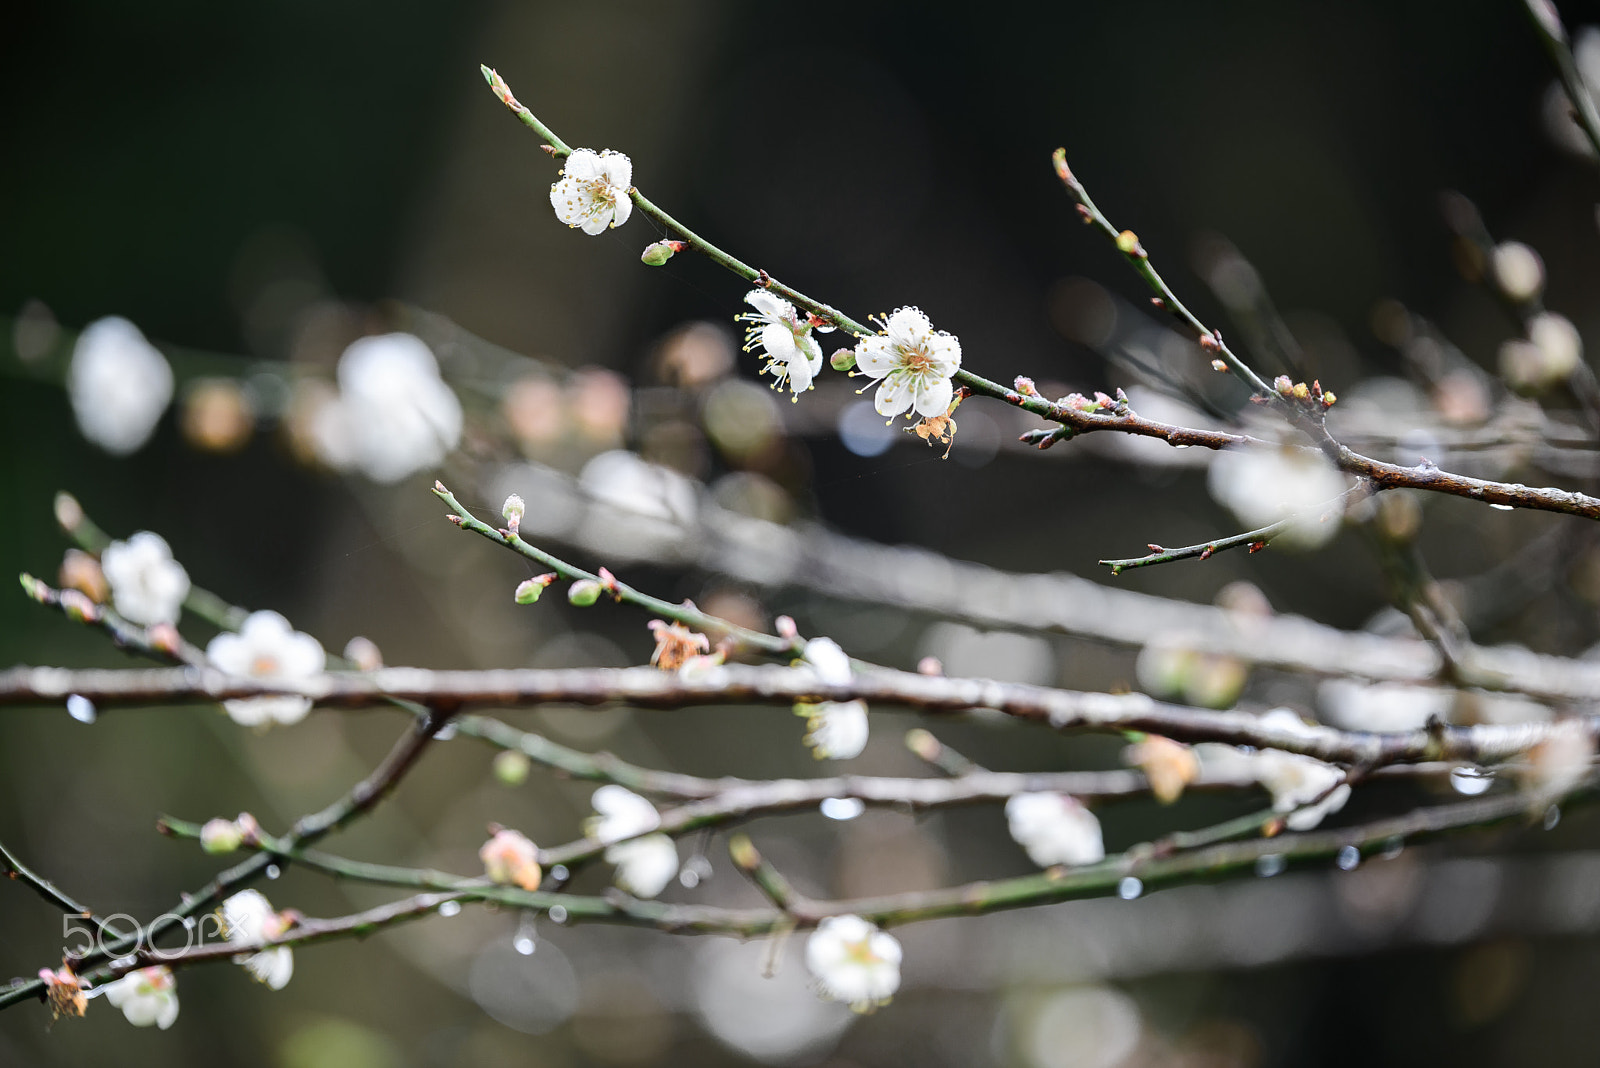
(1263, 486)
(247, 918)
(645, 863)
(1297, 782)
(268, 649)
(914, 362)
(147, 585)
(119, 385)
(592, 193)
(854, 962)
(147, 996)
(793, 355)
(1055, 829)
(394, 415)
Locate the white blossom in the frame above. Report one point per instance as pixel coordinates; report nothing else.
(147, 996)
(1296, 782)
(1263, 486)
(119, 385)
(915, 363)
(394, 415)
(854, 962)
(248, 917)
(835, 729)
(267, 648)
(792, 353)
(644, 865)
(592, 193)
(147, 585)
(1055, 829)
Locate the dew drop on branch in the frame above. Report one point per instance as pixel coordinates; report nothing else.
(1349, 857)
(81, 708)
(1471, 781)
(272, 871)
(1129, 888)
(450, 908)
(1269, 865)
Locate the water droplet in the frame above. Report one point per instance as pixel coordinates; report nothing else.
(523, 941)
(188, 923)
(696, 870)
(1470, 780)
(450, 908)
(1552, 816)
(1502, 507)
(1348, 858)
(445, 733)
(1180, 446)
(272, 871)
(558, 913)
(81, 708)
(1129, 888)
(843, 808)
(1269, 865)
(559, 872)
(1393, 848)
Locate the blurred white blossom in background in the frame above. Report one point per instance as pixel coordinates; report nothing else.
(394, 415)
(836, 729)
(1263, 486)
(147, 585)
(854, 962)
(147, 996)
(267, 649)
(248, 917)
(645, 865)
(1055, 829)
(119, 385)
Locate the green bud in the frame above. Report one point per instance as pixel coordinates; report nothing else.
(843, 360)
(660, 252)
(220, 836)
(584, 592)
(511, 767)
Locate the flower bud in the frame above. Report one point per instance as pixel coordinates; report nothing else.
(1301, 392)
(843, 360)
(81, 571)
(1283, 384)
(1128, 243)
(220, 836)
(511, 767)
(513, 511)
(363, 653)
(510, 859)
(659, 253)
(1517, 270)
(528, 590)
(78, 607)
(584, 592)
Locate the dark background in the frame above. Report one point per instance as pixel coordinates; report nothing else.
(173, 163)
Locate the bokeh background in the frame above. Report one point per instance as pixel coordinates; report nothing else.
(268, 182)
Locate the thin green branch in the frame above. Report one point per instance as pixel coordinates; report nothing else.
(685, 613)
(1256, 540)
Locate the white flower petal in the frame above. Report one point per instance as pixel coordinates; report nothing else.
(908, 327)
(596, 221)
(876, 356)
(570, 198)
(621, 209)
(831, 662)
(769, 305)
(854, 962)
(838, 730)
(945, 352)
(584, 165)
(621, 813)
(617, 169)
(895, 395)
(933, 395)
